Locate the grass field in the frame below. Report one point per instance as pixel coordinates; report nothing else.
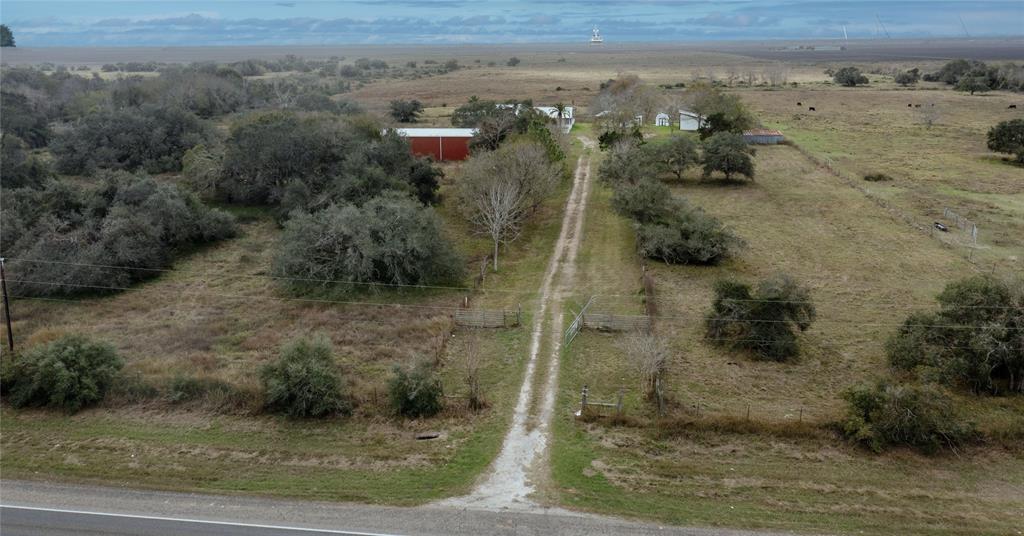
(777, 473)
(215, 316)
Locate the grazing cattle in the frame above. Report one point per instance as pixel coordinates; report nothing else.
(917, 106)
(910, 105)
(811, 109)
(799, 104)
(941, 227)
(1011, 107)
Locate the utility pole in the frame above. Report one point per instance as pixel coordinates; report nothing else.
(7, 306)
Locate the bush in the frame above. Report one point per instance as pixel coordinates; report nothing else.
(102, 237)
(886, 415)
(1008, 137)
(512, 62)
(190, 388)
(391, 239)
(406, 111)
(150, 138)
(647, 201)
(849, 77)
(303, 382)
(686, 236)
(70, 373)
(908, 78)
(728, 153)
(416, 392)
(975, 339)
(877, 177)
(763, 323)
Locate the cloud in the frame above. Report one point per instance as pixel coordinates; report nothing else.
(741, 20)
(285, 4)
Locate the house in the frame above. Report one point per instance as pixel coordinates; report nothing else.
(661, 120)
(567, 116)
(688, 121)
(763, 136)
(443, 144)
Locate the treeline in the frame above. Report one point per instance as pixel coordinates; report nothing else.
(976, 75)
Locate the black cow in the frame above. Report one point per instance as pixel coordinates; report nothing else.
(1011, 107)
(917, 106)
(811, 109)
(799, 104)
(910, 105)
(941, 227)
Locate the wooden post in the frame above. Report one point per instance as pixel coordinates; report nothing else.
(7, 307)
(583, 403)
(801, 415)
(618, 404)
(748, 412)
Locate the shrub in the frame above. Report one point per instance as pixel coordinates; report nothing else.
(303, 382)
(849, 77)
(647, 201)
(406, 111)
(512, 62)
(877, 177)
(728, 153)
(152, 138)
(761, 322)
(908, 78)
(69, 373)
(391, 239)
(1008, 137)
(416, 392)
(105, 236)
(975, 339)
(686, 236)
(189, 388)
(886, 415)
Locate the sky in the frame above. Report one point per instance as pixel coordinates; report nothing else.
(41, 23)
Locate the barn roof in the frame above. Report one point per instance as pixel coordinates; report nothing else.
(762, 132)
(436, 132)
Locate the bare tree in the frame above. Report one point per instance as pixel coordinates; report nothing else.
(651, 355)
(472, 364)
(500, 189)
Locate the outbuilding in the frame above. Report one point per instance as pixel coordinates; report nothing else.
(763, 136)
(688, 121)
(444, 144)
(661, 120)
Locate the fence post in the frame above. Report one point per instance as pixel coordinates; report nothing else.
(801, 415)
(618, 404)
(583, 401)
(519, 314)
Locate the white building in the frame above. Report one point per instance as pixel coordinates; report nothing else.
(661, 120)
(567, 119)
(688, 120)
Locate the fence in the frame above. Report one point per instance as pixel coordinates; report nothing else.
(967, 226)
(576, 325)
(486, 318)
(610, 322)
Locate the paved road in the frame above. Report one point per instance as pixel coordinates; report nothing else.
(46, 509)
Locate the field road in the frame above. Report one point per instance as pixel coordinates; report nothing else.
(45, 509)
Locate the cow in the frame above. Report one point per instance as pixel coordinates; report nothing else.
(941, 227)
(799, 104)
(811, 109)
(910, 105)
(917, 106)
(1011, 107)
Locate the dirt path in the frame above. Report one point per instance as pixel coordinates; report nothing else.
(519, 465)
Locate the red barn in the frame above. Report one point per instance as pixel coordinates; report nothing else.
(441, 143)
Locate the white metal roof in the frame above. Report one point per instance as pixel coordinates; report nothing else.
(436, 132)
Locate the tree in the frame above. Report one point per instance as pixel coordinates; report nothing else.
(22, 118)
(908, 78)
(975, 340)
(762, 322)
(973, 84)
(70, 373)
(152, 138)
(406, 111)
(675, 156)
(512, 62)
(304, 381)
(18, 168)
(391, 239)
(6, 36)
(1008, 137)
(849, 77)
(650, 354)
(499, 190)
(560, 109)
(730, 114)
(728, 153)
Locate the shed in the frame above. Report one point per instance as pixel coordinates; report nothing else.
(763, 136)
(661, 120)
(688, 121)
(441, 143)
